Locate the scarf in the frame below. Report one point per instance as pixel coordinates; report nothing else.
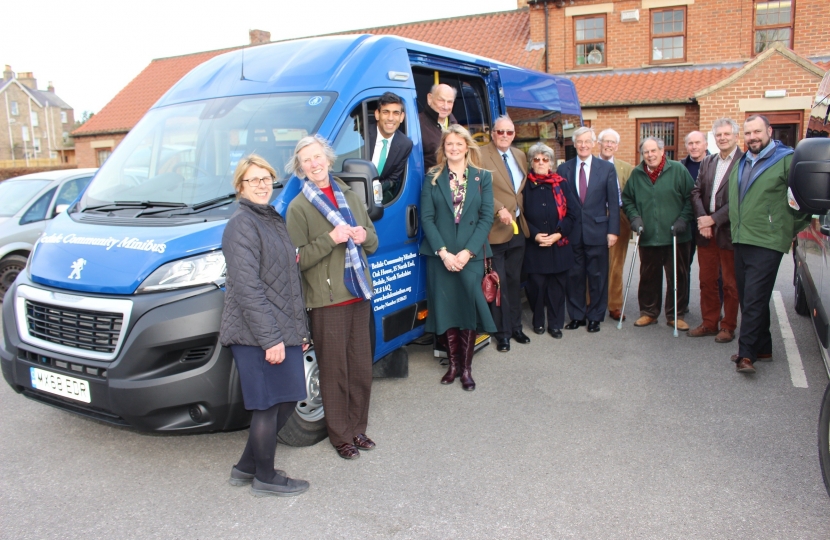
(653, 175)
(555, 182)
(458, 188)
(354, 274)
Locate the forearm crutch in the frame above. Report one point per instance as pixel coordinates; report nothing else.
(674, 245)
(630, 273)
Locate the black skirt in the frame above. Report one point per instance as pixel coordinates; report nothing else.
(263, 384)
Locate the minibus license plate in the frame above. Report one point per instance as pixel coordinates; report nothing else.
(61, 385)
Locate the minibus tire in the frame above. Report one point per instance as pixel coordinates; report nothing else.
(801, 306)
(824, 438)
(298, 432)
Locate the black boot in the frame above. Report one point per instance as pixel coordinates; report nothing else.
(468, 346)
(454, 353)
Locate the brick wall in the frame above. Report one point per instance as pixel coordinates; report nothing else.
(777, 72)
(86, 155)
(716, 31)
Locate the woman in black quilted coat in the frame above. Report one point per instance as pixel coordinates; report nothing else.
(264, 324)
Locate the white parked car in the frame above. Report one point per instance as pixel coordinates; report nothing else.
(27, 203)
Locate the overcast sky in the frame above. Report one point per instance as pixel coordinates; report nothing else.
(91, 49)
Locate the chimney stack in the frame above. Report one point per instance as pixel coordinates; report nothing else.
(27, 79)
(51, 87)
(8, 73)
(258, 37)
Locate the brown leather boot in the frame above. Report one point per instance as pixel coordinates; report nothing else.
(454, 354)
(468, 346)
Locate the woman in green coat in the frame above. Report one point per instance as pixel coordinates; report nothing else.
(457, 212)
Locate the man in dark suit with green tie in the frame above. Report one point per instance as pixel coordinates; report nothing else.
(389, 148)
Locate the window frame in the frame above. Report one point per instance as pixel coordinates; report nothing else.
(756, 28)
(667, 148)
(604, 41)
(14, 108)
(99, 152)
(653, 36)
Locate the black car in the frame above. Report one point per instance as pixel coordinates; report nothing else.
(810, 184)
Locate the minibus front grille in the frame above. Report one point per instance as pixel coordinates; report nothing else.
(80, 329)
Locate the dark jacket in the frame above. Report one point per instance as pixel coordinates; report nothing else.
(694, 166)
(321, 260)
(263, 295)
(702, 196)
(455, 299)
(600, 215)
(541, 215)
(431, 132)
(659, 204)
(396, 154)
(762, 217)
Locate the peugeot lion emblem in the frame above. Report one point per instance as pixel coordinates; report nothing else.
(77, 266)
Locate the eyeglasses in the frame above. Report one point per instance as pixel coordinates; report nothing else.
(609, 142)
(504, 132)
(256, 182)
(539, 159)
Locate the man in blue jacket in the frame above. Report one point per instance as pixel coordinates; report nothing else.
(594, 182)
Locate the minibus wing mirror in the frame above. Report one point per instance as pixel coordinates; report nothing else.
(359, 175)
(810, 175)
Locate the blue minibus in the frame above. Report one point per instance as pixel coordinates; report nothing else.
(116, 316)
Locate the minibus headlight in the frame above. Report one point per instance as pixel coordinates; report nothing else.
(199, 270)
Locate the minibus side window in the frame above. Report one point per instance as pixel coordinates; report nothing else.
(350, 143)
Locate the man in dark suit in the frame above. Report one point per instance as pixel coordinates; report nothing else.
(594, 181)
(509, 168)
(434, 119)
(716, 255)
(388, 147)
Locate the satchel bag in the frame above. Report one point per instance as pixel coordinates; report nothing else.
(490, 285)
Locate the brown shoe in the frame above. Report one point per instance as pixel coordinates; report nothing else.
(744, 365)
(700, 331)
(725, 336)
(347, 451)
(645, 320)
(615, 314)
(766, 356)
(681, 324)
(363, 442)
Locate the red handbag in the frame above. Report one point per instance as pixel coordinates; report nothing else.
(490, 285)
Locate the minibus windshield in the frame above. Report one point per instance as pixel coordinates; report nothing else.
(183, 155)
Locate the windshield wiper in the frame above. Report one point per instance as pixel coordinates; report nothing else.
(115, 205)
(211, 202)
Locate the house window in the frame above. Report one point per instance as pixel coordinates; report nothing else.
(34, 119)
(663, 128)
(773, 24)
(668, 35)
(14, 109)
(63, 117)
(103, 154)
(589, 35)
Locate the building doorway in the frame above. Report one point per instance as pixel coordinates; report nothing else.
(786, 125)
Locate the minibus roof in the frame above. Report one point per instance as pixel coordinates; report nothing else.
(357, 61)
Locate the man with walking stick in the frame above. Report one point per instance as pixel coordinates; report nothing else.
(657, 198)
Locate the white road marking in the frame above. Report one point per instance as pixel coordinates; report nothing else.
(790, 346)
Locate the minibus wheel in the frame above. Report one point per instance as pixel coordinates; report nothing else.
(824, 438)
(307, 426)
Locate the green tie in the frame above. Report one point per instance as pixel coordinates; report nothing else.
(382, 160)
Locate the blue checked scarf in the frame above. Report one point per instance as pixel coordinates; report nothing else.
(354, 275)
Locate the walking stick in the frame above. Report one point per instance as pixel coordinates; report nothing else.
(630, 273)
(674, 244)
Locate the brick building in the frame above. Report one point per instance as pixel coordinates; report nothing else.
(34, 124)
(642, 67)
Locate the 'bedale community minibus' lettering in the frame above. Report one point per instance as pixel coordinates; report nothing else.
(108, 243)
(141, 329)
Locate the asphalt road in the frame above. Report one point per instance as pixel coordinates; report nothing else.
(620, 434)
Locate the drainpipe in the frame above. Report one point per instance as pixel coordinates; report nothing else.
(9, 123)
(547, 65)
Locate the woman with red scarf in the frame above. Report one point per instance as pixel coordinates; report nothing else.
(547, 217)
